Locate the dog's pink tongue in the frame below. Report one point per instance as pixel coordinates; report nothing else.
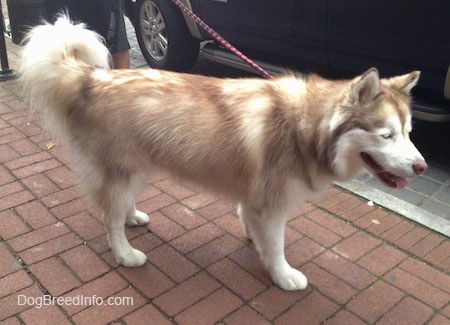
(401, 182)
(393, 180)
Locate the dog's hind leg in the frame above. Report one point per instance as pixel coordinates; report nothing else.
(118, 205)
(241, 215)
(134, 216)
(266, 229)
(115, 194)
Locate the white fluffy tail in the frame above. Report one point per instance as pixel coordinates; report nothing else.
(54, 59)
(48, 44)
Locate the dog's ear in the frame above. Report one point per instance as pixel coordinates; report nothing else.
(404, 82)
(365, 88)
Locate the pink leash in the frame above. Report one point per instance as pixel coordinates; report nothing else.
(221, 40)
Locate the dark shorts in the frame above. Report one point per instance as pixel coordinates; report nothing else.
(103, 16)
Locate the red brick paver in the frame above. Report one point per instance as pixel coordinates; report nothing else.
(364, 263)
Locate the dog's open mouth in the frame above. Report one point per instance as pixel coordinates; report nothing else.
(387, 178)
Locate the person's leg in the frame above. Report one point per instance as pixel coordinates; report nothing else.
(106, 18)
(121, 50)
(121, 60)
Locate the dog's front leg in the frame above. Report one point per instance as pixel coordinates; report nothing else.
(266, 229)
(124, 253)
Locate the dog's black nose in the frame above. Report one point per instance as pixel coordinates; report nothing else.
(420, 166)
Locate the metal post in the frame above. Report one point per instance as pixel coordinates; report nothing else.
(6, 73)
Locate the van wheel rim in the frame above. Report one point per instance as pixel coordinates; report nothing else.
(153, 29)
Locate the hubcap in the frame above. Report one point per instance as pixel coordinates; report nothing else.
(153, 29)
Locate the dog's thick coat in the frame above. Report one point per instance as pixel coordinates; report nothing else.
(267, 144)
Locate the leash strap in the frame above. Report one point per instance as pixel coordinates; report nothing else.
(221, 40)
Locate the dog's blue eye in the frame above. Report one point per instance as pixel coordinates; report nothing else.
(387, 135)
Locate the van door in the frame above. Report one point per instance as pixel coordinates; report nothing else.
(290, 29)
(394, 36)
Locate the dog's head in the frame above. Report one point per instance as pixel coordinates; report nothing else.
(375, 114)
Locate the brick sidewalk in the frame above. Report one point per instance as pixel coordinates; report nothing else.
(365, 264)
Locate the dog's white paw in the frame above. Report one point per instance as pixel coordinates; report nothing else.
(138, 218)
(133, 258)
(290, 279)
